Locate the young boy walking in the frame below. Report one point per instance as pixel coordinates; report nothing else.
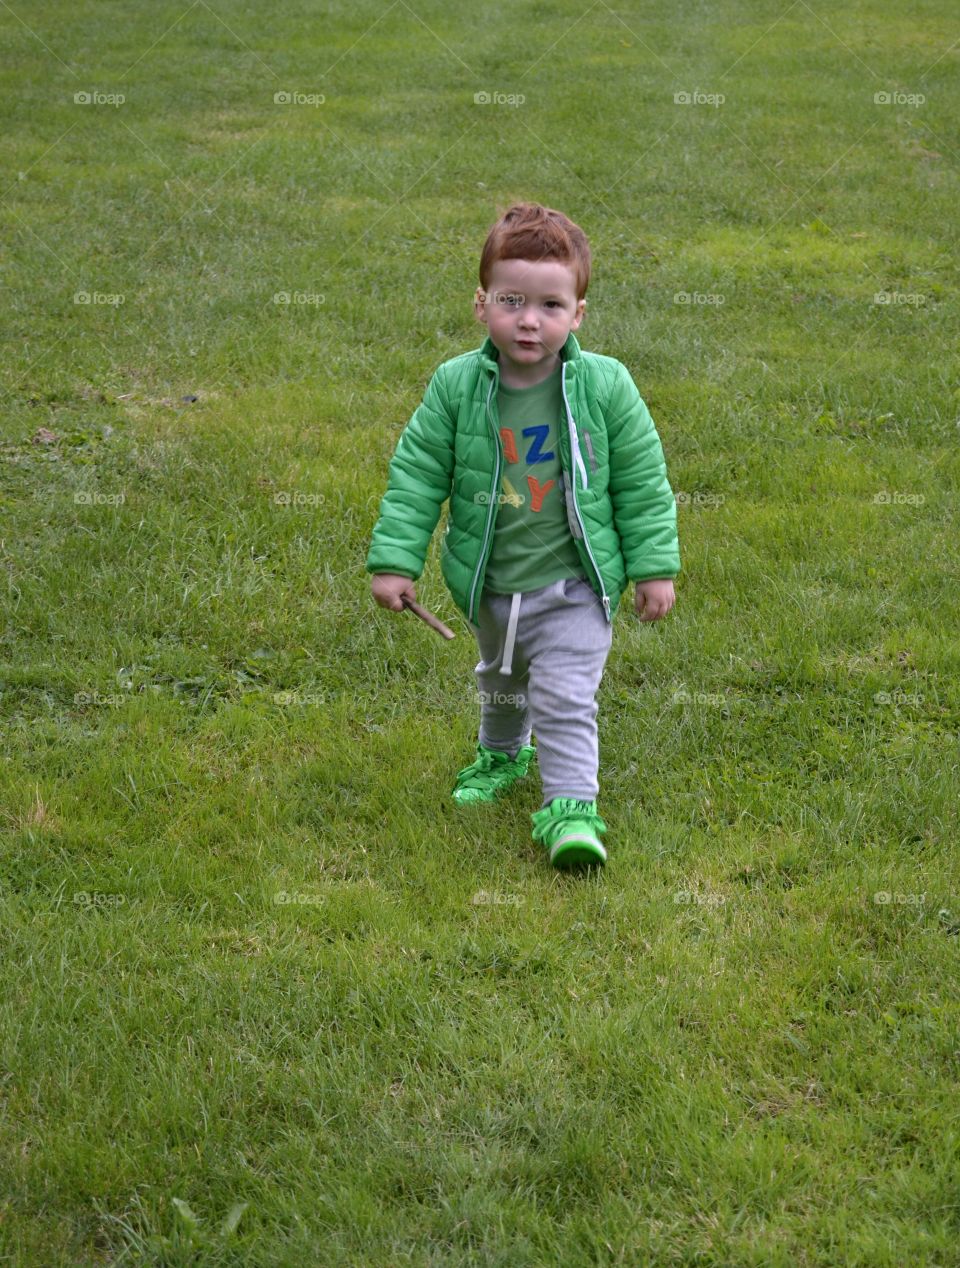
(558, 497)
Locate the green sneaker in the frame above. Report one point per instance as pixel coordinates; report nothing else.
(568, 828)
(491, 775)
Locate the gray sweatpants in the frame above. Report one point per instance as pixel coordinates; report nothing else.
(561, 640)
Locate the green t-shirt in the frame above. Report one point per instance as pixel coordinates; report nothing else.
(532, 543)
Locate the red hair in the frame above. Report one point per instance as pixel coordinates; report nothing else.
(528, 231)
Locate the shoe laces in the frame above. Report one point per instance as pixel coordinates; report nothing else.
(483, 764)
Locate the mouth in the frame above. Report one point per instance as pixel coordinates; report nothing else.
(528, 343)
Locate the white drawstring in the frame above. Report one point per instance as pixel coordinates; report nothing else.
(507, 666)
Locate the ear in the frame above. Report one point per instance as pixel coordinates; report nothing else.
(581, 313)
(479, 304)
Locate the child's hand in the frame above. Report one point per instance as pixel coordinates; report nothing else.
(654, 599)
(389, 588)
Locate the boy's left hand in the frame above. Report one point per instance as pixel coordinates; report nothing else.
(654, 599)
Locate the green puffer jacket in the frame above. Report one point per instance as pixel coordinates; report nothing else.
(623, 514)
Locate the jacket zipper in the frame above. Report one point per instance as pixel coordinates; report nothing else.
(573, 485)
(494, 493)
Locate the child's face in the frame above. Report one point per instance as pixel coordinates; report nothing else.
(529, 310)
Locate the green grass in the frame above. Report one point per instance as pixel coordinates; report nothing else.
(256, 962)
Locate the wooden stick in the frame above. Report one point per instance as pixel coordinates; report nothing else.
(433, 621)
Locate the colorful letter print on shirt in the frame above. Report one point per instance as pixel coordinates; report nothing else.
(532, 544)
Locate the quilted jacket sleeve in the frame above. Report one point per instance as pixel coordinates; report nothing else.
(644, 507)
(419, 482)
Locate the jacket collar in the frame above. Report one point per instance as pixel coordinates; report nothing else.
(490, 355)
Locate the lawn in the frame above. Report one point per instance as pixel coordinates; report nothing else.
(269, 997)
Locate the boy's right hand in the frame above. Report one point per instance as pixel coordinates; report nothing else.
(389, 590)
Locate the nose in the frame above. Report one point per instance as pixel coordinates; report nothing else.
(528, 319)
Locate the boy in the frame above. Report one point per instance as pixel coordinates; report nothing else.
(558, 496)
